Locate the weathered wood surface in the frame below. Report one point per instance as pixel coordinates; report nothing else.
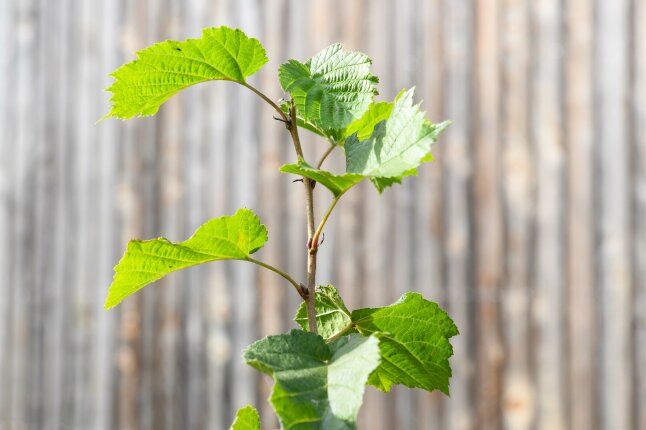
(530, 226)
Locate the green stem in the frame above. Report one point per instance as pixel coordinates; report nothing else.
(269, 101)
(319, 229)
(343, 332)
(325, 155)
(280, 272)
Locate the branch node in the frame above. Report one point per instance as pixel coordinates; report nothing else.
(303, 291)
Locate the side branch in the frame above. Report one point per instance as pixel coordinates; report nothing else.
(269, 101)
(299, 288)
(319, 229)
(325, 155)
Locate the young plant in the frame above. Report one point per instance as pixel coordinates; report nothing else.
(320, 371)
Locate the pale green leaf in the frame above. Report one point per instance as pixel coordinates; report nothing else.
(247, 418)
(163, 69)
(397, 143)
(364, 126)
(331, 89)
(337, 184)
(331, 314)
(233, 237)
(316, 386)
(414, 341)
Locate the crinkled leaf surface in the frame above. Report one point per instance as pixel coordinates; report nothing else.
(413, 332)
(233, 237)
(316, 386)
(414, 340)
(163, 69)
(247, 418)
(337, 184)
(331, 89)
(331, 314)
(398, 143)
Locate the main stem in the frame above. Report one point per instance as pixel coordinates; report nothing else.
(312, 248)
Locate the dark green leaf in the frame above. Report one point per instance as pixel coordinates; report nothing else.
(413, 332)
(316, 386)
(414, 341)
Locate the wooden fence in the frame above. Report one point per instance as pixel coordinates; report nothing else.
(530, 226)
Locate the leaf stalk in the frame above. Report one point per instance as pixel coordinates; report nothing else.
(278, 271)
(268, 100)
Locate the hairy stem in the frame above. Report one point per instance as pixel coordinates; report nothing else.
(280, 272)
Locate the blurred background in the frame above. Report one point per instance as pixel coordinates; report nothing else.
(530, 226)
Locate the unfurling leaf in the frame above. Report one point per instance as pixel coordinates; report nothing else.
(233, 237)
(331, 314)
(386, 146)
(247, 418)
(317, 386)
(330, 90)
(414, 337)
(163, 69)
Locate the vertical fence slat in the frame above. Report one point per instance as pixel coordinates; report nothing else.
(580, 281)
(489, 227)
(639, 214)
(518, 179)
(24, 174)
(6, 221)
(613, 258)
(548, 305)
(107, 150)
(458, 49)
(428, 273)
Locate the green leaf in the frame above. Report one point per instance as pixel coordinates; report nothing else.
(316, 385)
(364, 126)
(413, 332)
(414, 341)
(331, 314)
(382, 183)
(247, 418)
(331, 89)
(337, 184)
(163, 69)
(233, 237)
(397, 143)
